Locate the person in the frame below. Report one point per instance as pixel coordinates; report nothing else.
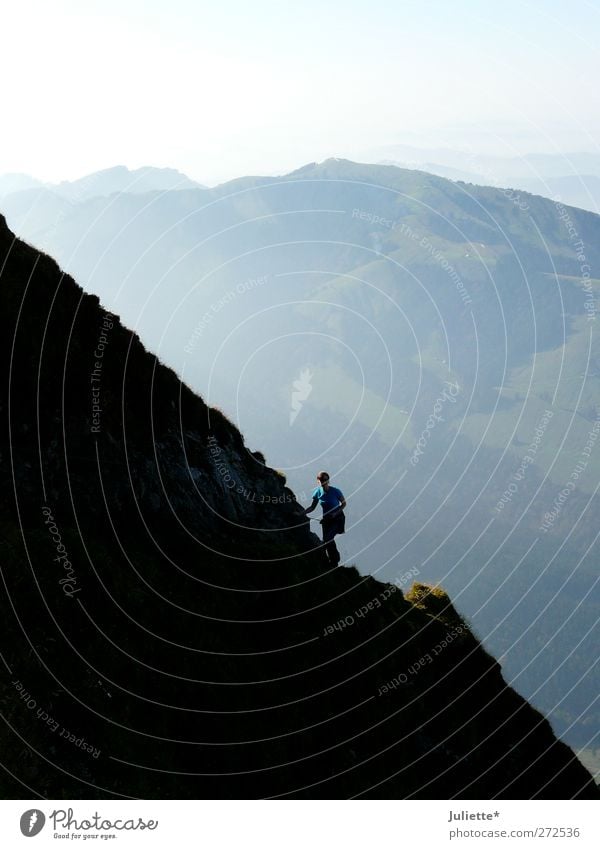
(333, 503)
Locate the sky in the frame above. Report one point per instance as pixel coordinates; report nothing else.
(223, 89)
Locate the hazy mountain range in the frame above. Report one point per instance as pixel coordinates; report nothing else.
(573, 178)
(171, 626)
(435, 342)
(101, 183)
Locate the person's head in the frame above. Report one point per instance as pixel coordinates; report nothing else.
(323, 479)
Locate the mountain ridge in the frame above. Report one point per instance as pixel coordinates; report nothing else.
(118, 178)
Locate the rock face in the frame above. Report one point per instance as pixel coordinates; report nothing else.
(171, 628)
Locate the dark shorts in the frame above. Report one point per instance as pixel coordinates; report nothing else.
(334, 523)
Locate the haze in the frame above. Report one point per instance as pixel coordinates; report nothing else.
(222, 90)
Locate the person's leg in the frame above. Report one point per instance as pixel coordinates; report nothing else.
(334, 554)
(331, 549)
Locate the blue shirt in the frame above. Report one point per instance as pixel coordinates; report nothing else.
(328, 500)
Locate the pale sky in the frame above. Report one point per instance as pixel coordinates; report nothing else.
(221, 89)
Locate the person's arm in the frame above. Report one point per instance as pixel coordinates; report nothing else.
(315, 501)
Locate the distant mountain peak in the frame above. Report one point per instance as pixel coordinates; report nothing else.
(107, 181)
(16, 182)
(119, 178)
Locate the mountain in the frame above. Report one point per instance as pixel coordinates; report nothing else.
(33, 206)
(544, 165)
(102, 183)
(36, 210)
(121, 179)
(572, 178)
(170, 628)
(10, 183)
(582, 190)
(451, 377)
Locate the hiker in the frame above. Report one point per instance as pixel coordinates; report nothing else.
(333, 502)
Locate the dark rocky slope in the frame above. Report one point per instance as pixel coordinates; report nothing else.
(170, 629)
